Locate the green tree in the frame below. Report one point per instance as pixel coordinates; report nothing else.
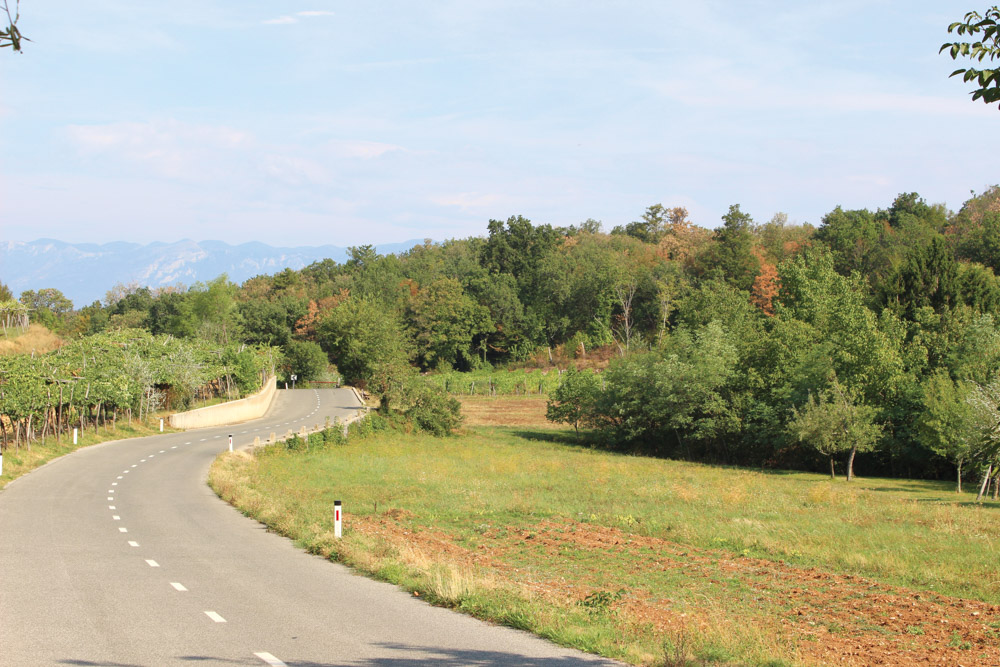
(306, 359)
(368, 344)
(430, 408)
(985, 48)
(731, 257)
(673, 400)
(264, 322)
(947, 424)
(213, 305)
(574, 401)
(48, 306)
(834, 422)
(445, 322)
(855, 239)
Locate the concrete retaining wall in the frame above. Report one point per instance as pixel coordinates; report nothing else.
(232, 412)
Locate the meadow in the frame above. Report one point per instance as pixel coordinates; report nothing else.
(645, 560)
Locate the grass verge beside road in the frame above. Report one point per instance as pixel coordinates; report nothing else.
(17, 462)
(646, 560)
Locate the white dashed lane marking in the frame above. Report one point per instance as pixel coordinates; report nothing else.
(111, 507)
(177, 586)
(152, 563)
(123, 530)
(115, 517)
(215, 617)
(111, 497)
(270, 659)
(133, 544)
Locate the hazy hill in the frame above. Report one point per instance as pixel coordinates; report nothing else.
(85, 271)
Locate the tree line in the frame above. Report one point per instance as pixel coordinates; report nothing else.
(742, 345)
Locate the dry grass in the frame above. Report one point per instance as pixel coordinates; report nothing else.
(649, 561)
(505, 411)
(36, 339)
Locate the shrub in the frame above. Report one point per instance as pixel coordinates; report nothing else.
(433, 410)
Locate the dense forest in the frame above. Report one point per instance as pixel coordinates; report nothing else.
(756, 343)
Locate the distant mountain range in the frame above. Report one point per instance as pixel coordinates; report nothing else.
(84, 272)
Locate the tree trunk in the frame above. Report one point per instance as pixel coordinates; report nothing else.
(59, 417)
(959, 489)
(833, 472)
(996, 486)
(986, 480)
(850, 463)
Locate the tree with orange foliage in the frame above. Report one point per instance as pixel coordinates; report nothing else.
(305, 328)
(765, 285)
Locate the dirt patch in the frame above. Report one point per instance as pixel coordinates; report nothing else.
(505, 411)
(830, 618)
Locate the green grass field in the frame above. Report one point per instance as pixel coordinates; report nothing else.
(645, 560)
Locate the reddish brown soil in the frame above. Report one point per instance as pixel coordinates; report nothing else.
(831, 618)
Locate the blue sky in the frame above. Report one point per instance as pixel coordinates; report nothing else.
(304, 123)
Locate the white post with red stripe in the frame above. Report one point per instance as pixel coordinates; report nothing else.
(336, 518)
(230, 442)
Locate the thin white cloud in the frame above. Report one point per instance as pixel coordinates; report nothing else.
(294, 18)
(168, 148)
(467, 201)
(363, 149)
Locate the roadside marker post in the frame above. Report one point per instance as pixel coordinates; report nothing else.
(230, 442)
(161, 426)
(1, 463)
(74, 436)
(336, 519)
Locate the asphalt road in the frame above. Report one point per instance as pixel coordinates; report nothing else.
(121, 555)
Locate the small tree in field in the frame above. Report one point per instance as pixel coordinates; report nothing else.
(833, 422)
(947, 425)
(575, 399)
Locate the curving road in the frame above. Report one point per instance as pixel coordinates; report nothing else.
(120, 555)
